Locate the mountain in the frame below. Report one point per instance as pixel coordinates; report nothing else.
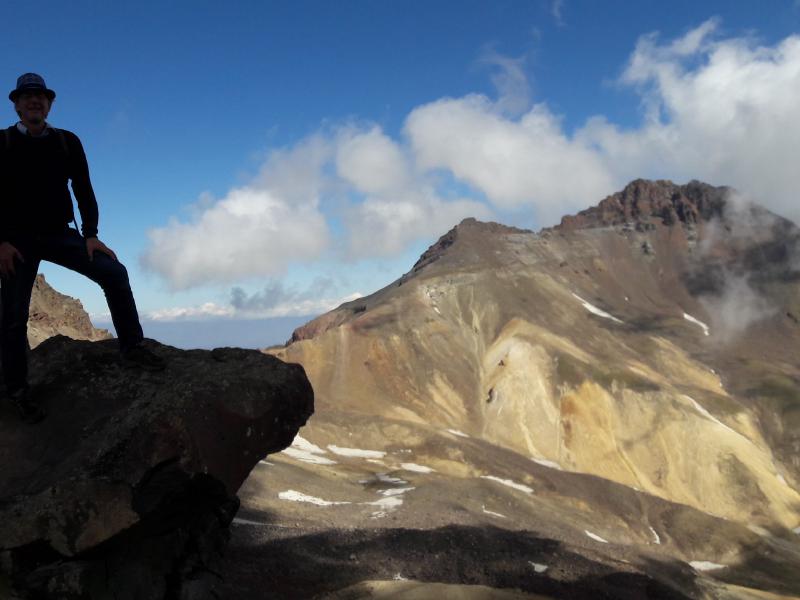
(53, 313)
(606, 408)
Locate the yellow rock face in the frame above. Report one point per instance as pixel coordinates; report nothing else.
(579, 363)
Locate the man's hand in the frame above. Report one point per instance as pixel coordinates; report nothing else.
(7, 255)
(93, 244)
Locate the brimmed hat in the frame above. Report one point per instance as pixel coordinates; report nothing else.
(29, 82)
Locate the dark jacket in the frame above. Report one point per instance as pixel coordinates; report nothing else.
(34, 172)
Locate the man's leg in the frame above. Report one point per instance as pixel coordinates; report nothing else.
(69, 250)
(15, 293)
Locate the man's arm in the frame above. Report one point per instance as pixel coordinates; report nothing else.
(82, 186)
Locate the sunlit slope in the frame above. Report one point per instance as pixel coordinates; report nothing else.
(585, 348)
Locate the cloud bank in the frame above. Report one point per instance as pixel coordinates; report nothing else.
(718, 110)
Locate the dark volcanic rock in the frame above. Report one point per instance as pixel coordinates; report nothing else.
(127, 489)
(643, 200)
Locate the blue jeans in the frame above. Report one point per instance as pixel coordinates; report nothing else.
(67, 249)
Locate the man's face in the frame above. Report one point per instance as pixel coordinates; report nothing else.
(32, 107)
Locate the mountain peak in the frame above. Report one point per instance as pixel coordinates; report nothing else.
(466, 228)
(645, 201)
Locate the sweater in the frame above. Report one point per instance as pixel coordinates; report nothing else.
(34, 195)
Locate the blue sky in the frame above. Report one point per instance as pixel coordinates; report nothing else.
(265, 159)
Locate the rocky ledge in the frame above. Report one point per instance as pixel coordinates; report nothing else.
(128, 487)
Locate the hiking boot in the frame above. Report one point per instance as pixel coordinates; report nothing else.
(142, 358)
(28, 409)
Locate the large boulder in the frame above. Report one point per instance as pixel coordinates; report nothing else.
(127, 488)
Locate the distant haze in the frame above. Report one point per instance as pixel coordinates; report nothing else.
(215, 333)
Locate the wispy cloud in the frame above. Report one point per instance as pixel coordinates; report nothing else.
(557, 10)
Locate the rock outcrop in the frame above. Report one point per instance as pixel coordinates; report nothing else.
(126, 490)
(53, 313)
(642, 200)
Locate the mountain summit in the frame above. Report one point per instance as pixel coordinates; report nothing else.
(623, 385)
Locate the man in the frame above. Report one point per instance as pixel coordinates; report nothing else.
(36, 162)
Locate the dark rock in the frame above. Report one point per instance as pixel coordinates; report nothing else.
(128, 487)
(642, 199)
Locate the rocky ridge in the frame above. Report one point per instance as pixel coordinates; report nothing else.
(53, 313)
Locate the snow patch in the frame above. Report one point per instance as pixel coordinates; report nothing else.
(538, 567)
(388, 502)
(266, 462)
(691, 319)
(416, 468)
(302, 443)
(492, 513)
(395, 491)
(307, 457)
(457, 432)
(595, 537)
(302, 449)
(704, 565)
(547, 463)
(656, 539)
(708, 415)
(294, 496)
(393, 500)
(509, 483)
(384, 478)
(356, 452)
(596, 311)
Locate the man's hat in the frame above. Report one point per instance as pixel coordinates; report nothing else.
(29, 82)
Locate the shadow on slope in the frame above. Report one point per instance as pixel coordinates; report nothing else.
(316, 564)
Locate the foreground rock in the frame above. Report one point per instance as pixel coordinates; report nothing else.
(127, 489)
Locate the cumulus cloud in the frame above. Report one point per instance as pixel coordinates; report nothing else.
(399, 204)
(255, 230)
(517, 163)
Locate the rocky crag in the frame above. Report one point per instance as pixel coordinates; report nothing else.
(53, 313)
(606, 408)
(127, 489)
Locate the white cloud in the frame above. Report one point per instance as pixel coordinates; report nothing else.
(510, 81)
(255, 230)
(399, 205)
(557, 10)
(371, 162)
(207, 310)
(516, 163)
